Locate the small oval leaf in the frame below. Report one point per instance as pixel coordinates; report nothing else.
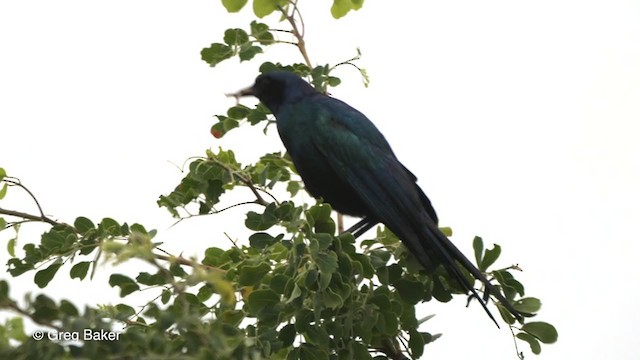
(543, 331)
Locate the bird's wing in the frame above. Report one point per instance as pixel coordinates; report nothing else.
(358, 152)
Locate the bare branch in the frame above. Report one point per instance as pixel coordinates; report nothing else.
(16, 182)
(296, 32)
(40, 218)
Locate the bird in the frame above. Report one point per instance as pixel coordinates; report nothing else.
(345, 160)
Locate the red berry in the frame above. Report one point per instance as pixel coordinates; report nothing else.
(216, 133)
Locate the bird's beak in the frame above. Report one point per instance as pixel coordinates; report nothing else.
(244, 92)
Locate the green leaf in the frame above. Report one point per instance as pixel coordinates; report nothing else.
(506, 315)
(43, 277)
(3, 191)
(238, 112)
(359, 351)
(293, 187)
(233, 5)
(235, 37)
(312, 352)
(379, 257)
(82, 224)
(258, 114)
(263, 8)
(68, 308)
(3, 173)
(490, 256)
(166, 295)
(327, 262)
(410, 291)
(318, 336)
(261, 299)
(17, 267)
(15, 329)
(80, 270)
(295, 293)
(4, 289)
(261, 33)
(279, 282)
(126, 284)
(252, 274)
(44, 309)
(262, 240)
(533, 342)
(11, 244)
(416, 343)
(205, 292)
(333, 81)
(233, 317)
(440, 291)
(137, 228)
(260, 222)
(216, 53)
(52, 241)
(287, 335)
(447, 231)
(478, 246)
(110, 226)
(248, 51)
(529, 305)
(304, 317)
(228, 124)
(145, 278)
(124, 311)
(367, 269)
(543, 331)
(331, 299)
(340, 8)
(320, 212)
(387, 323)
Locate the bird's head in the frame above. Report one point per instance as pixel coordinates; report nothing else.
(277, 88)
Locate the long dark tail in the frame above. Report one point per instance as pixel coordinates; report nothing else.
(434, 242)
(448, 254)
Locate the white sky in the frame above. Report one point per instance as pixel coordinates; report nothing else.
(519, 118)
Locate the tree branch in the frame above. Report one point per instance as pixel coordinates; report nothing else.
(41, 218)
(296, 32)
(15, 308)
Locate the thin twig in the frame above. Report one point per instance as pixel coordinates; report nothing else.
(270, 195)
(17, 182)
(280, 30)
(515, 343)
(41, 218)
(245, 180)
(296, 33)
(259, 199)
(297, 10)
(232, 241)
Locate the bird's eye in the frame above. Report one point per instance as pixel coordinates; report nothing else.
(263, 81)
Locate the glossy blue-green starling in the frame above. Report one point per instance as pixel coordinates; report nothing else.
(344, 159)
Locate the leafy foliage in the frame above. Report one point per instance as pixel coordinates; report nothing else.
(262, 8)
(296, 290)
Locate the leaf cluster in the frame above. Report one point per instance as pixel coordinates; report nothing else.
(262, 8)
